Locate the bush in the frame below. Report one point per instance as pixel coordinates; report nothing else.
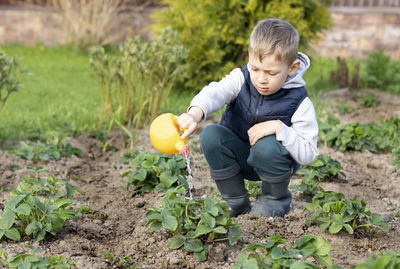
(217, 32)
(382, 72)
(135, 84)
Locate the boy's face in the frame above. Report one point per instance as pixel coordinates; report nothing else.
(269, 74)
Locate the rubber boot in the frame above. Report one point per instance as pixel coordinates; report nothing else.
(275, 198)
(230, 183)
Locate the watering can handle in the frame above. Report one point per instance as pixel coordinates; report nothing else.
(174, 118)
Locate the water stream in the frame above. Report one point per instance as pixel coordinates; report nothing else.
(189, 177)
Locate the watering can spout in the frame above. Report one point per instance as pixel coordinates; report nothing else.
(165, 136)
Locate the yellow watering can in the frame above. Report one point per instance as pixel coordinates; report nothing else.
(165, 136)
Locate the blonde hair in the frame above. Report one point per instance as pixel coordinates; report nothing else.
(274, 37)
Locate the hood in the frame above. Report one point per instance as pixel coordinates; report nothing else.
(296, 80)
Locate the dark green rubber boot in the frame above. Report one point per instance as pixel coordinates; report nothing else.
(230, 183)
(276, 197)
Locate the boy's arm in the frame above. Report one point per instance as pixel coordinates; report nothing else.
(217, 94)
(301, 138)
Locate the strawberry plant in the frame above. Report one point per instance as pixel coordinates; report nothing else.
(28, 213)
(389, 259)
(323, 169)
(43, 152)
(23, 260)
(154, 171)
(333, 212)
(193, 223)
(307, 187)
(270, 255)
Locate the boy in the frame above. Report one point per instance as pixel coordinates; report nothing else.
(269, 127)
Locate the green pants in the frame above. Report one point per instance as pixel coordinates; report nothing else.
(222, 148)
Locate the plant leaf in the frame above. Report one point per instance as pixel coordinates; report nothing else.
(193, 245)
(234, 235)
(176, 242)
(202, 229)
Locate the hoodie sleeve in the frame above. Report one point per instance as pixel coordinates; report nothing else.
(217, 94)
(301, 138)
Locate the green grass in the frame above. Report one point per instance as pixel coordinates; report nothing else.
(61, 94)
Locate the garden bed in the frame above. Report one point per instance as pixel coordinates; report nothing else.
(115, 223)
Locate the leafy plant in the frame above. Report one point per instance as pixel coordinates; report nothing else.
(253, 188)
(270, 255)
(323, 169)
(382, 72)
(154, 171)
(217, 32)
(389, 259)
(24, 260)
(193, 223)
(136, 83)
(48, 186)
(27, 213)
(10, 76)
(369, 100)
(308, 187)
(54, 149)
(331, 210)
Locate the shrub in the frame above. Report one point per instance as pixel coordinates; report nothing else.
(382, 72)
(135, 84)
(217, 32)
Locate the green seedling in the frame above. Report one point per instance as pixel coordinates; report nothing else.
(154, 171)
(25, 260)
(118, 262)
(389, 259)
(270, 255)
(85, 209)
(333, 212)
(193, 223)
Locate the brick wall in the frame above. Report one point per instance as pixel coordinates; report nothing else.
(355, 30)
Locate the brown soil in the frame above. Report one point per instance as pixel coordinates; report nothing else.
(116, 225)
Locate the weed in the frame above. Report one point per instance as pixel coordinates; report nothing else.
(118, 262)
(253, 188)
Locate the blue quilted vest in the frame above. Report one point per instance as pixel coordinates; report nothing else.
(250, 107)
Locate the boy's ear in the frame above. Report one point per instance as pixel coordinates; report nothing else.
(293, 67)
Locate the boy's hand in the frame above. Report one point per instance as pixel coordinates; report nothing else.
(190, 120)
(262, 129)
